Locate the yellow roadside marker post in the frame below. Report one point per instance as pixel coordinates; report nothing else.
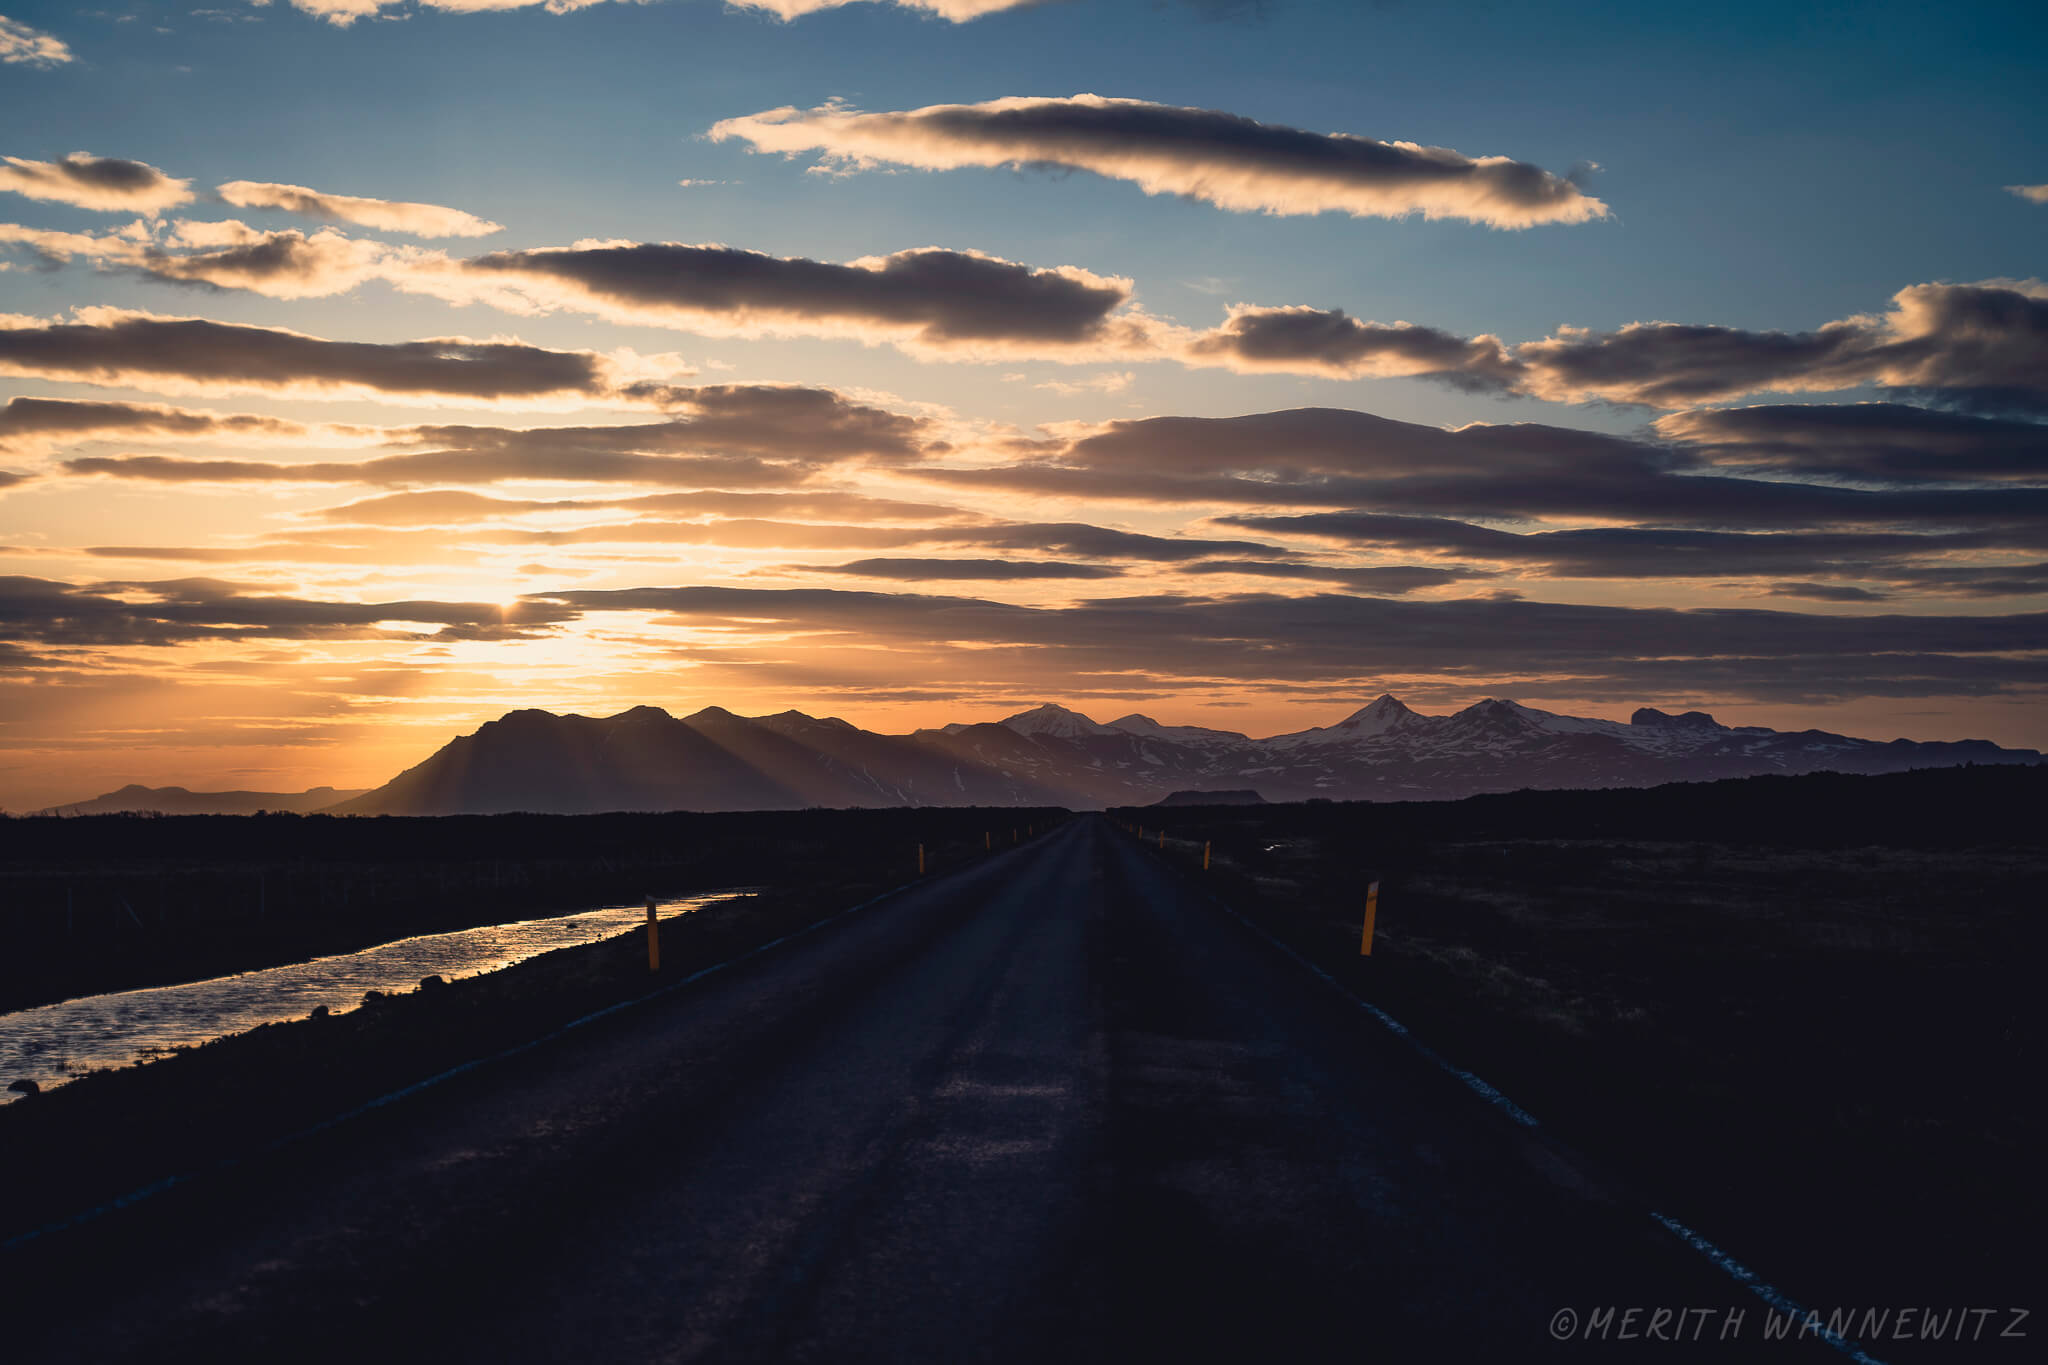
(987, 842)
(920, 860)
(653, 939)
(1372, 910)
(1162, 841)
(1205, 855)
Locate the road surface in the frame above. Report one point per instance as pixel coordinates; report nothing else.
(1051, 1107)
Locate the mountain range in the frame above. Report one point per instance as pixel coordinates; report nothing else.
(178, 801)
(647, 759)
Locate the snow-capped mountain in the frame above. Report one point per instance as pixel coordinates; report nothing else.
(646, 759)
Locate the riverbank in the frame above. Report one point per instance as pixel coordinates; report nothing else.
(120, 902)
(78, 1146)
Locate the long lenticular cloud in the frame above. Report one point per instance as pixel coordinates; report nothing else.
(107, 184)
(1989, 338)
(389, 215)
(1228, 160)
(715, 435)
(928, 297)
(342, 13)
(113, 347)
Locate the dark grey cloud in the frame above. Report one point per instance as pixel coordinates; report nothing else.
(719, 435)
(913, 570)
(1389, 580)
(1638, 552)
(1328, 341)
(37, 423)
(1073, 539)
(458, 466)
(1099, 542)
(1973, 580)
(1867, 442)
(1826, 592)
(1342, 640)
(1226, 159)
(194, 354)
(785, 422)
(1327, 457)
(175, 611)
(283, 265)
(104, 183)
(1985, 343)
(936, 298)
(447, 507)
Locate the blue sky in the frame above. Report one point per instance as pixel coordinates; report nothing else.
(1764, 168)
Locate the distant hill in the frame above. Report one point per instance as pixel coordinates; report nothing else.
(178, 801)
(647, 759)
(1241, 797)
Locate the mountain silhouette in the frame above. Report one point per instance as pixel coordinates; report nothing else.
(178, 801)
(647, 759)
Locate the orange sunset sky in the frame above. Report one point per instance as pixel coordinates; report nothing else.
(382, 367)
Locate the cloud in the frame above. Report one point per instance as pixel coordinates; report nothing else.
(194, 355)
(1302, 340)
(915, 570)
(41, 611)
(455, 466)
(1115, 381)
(225, 255)
(388, 215)
(21, 45)
(1825, 592)
(1077, 540)
(778, 421)
(30, 424)
(1351, 642)
(85, 181)
(449, 507)
(1388, 580)
(1982, 345)
(2033, 194)
(1650, 552)
(1228, 160)
(1988, 340)
(1335, 457)
(743, 435)
(1100, 542)
(343, 13)
(1872, 442)
(928, 298)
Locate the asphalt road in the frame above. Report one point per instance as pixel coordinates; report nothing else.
(1053, 1107)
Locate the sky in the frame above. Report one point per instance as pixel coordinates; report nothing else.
(369, 368)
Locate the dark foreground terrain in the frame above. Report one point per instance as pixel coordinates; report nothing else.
(115, 902)
(1804, 1004)
(1054, 1105)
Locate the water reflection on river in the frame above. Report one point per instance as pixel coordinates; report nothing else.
(52, 1043)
